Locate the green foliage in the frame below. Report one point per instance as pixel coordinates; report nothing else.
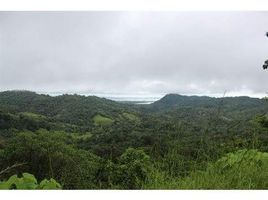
(28, 182)
(102, 121)
(49, 184)
(263, 120)
(131, 117)
(49, 155)
(33, 115)
(158, 179)
(71, 109)
(244, 169)
(134, 168)
(177, 142)
(81, 136)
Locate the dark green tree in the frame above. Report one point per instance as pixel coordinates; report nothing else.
(134, 167)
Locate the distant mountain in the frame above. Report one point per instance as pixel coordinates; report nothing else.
(242, 105)
(180, 100)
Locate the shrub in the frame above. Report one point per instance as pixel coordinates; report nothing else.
(28, 182)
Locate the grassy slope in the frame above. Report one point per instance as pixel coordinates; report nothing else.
(102, 121)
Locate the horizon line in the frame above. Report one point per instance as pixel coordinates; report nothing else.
(152, 95)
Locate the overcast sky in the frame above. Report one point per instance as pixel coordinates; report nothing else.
(134, 52)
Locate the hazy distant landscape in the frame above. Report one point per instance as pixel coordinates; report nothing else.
(139, 98)
(133, 100)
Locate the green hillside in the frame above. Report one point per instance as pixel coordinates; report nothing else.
(178, 142)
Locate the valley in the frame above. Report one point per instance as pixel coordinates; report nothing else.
(176, 142)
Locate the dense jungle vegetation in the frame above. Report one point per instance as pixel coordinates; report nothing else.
(178, 142)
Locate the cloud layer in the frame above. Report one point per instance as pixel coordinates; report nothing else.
(134, 52)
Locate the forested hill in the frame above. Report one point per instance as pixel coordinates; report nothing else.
(85, 112)
(74, 109)
(77, 109)
(178, 142)
(243, 103)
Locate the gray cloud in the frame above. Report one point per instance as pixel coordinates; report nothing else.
(134, 52)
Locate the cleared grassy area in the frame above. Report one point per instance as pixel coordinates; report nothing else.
(102, 121)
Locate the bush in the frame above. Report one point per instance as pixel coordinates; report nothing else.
(48, 154)
(133, 169)
(28, 182)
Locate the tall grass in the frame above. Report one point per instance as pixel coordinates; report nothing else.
(244, 169)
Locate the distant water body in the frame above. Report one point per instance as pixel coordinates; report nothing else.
(131, 98)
